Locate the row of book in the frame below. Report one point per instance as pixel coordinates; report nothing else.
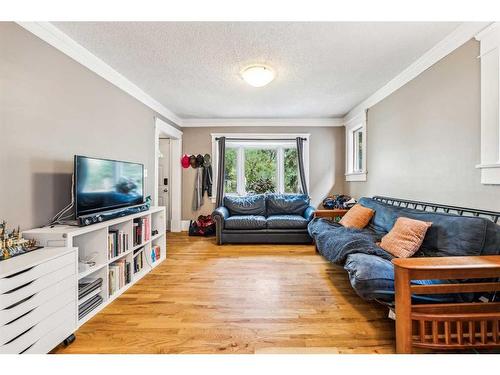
(117, 243)
(120, 274)
(142, 230)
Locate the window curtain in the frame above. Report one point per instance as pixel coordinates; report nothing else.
(302, 173)
(220, 168)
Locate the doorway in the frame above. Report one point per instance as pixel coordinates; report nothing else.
(164, 178)
(167, 184)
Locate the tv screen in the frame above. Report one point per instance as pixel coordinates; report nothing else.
(102, 184)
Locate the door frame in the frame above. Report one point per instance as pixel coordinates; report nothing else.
(164, 129)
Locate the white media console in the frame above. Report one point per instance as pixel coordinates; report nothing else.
(92, 242)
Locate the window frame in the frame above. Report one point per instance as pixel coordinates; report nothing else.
(352, 127)
(489, 45)
(262, 137)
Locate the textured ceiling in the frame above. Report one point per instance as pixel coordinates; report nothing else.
(323, 69)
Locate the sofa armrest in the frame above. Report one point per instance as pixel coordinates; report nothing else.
(463, 267)
(309, 213)
(441, 268)
(220, 215)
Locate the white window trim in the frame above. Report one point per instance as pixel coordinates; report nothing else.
(490, 104)
(263, 136)
(353, 125)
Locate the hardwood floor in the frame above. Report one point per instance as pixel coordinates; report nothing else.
(206, 298)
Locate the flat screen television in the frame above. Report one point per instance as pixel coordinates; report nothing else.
(102, 184)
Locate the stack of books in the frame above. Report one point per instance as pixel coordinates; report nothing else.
(117, 243)
(88, 295)
(119, 275)
(142, 230)
(155, 253)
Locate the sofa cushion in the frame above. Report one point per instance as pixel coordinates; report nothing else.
(372, 278)
(385, 215)
(248, 205)
(245, 222)
(286, 204)
(286, 222)
(405, 237)
(357, 217)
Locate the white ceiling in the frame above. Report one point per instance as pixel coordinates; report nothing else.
(323, 69)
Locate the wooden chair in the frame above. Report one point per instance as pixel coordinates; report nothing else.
(446, 325)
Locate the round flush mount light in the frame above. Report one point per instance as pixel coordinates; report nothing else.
(257, 75)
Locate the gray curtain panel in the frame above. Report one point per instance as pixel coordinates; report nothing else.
(302, 173)
(220, 168)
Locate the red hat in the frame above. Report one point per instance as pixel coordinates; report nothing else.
(185, 161)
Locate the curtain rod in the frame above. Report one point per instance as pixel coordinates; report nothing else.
(260, 139)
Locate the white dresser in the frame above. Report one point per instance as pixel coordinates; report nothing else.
(38, 300)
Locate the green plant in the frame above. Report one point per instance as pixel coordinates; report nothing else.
(261, 185)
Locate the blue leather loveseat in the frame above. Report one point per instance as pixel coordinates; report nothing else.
(264, 218)
(370, 269)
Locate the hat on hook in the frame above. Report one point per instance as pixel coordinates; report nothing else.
(185, 161)
(192, 161)
(199, 160)
(206, 160)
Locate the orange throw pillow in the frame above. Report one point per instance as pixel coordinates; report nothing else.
(357, 217)
(405, 237)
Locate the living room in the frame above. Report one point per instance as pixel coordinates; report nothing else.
(271, 185)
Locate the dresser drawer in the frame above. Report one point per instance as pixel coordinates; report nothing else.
(29, 303)
(14, 328)
(58, 334)
(16, 295)
(23, 277)
(28, 339)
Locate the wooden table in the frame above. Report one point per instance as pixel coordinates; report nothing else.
(334, 214)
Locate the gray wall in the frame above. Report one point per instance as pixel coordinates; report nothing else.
(326, 171)
(424, 139)
(51, 108)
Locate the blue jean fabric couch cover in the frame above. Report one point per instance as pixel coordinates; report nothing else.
(264, 218)
(370, 270)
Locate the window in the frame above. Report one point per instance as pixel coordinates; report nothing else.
(261, 166)
(356, 149)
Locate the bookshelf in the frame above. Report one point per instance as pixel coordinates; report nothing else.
(93, 243)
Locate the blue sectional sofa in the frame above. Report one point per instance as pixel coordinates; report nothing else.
(370, 269)
(264, 218)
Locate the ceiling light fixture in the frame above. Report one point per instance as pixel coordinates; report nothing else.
(258, 75)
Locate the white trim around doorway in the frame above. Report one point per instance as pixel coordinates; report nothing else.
(164, 129)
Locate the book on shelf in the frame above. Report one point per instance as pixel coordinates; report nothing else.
(138, 260)
(119, 275)
(142, 230)
(117, 243)
(155, 253)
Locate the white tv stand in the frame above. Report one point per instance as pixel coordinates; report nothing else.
(93, 239)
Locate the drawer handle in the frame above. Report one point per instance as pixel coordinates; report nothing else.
(22, 333)
(20, 302)
(20, 287)
(19, 317)
(28, 348)
(19, 273)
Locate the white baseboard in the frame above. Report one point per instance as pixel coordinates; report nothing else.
(185, 225)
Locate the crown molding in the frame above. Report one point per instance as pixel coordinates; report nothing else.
(463, 33)
(59, 40)
(262, 122)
